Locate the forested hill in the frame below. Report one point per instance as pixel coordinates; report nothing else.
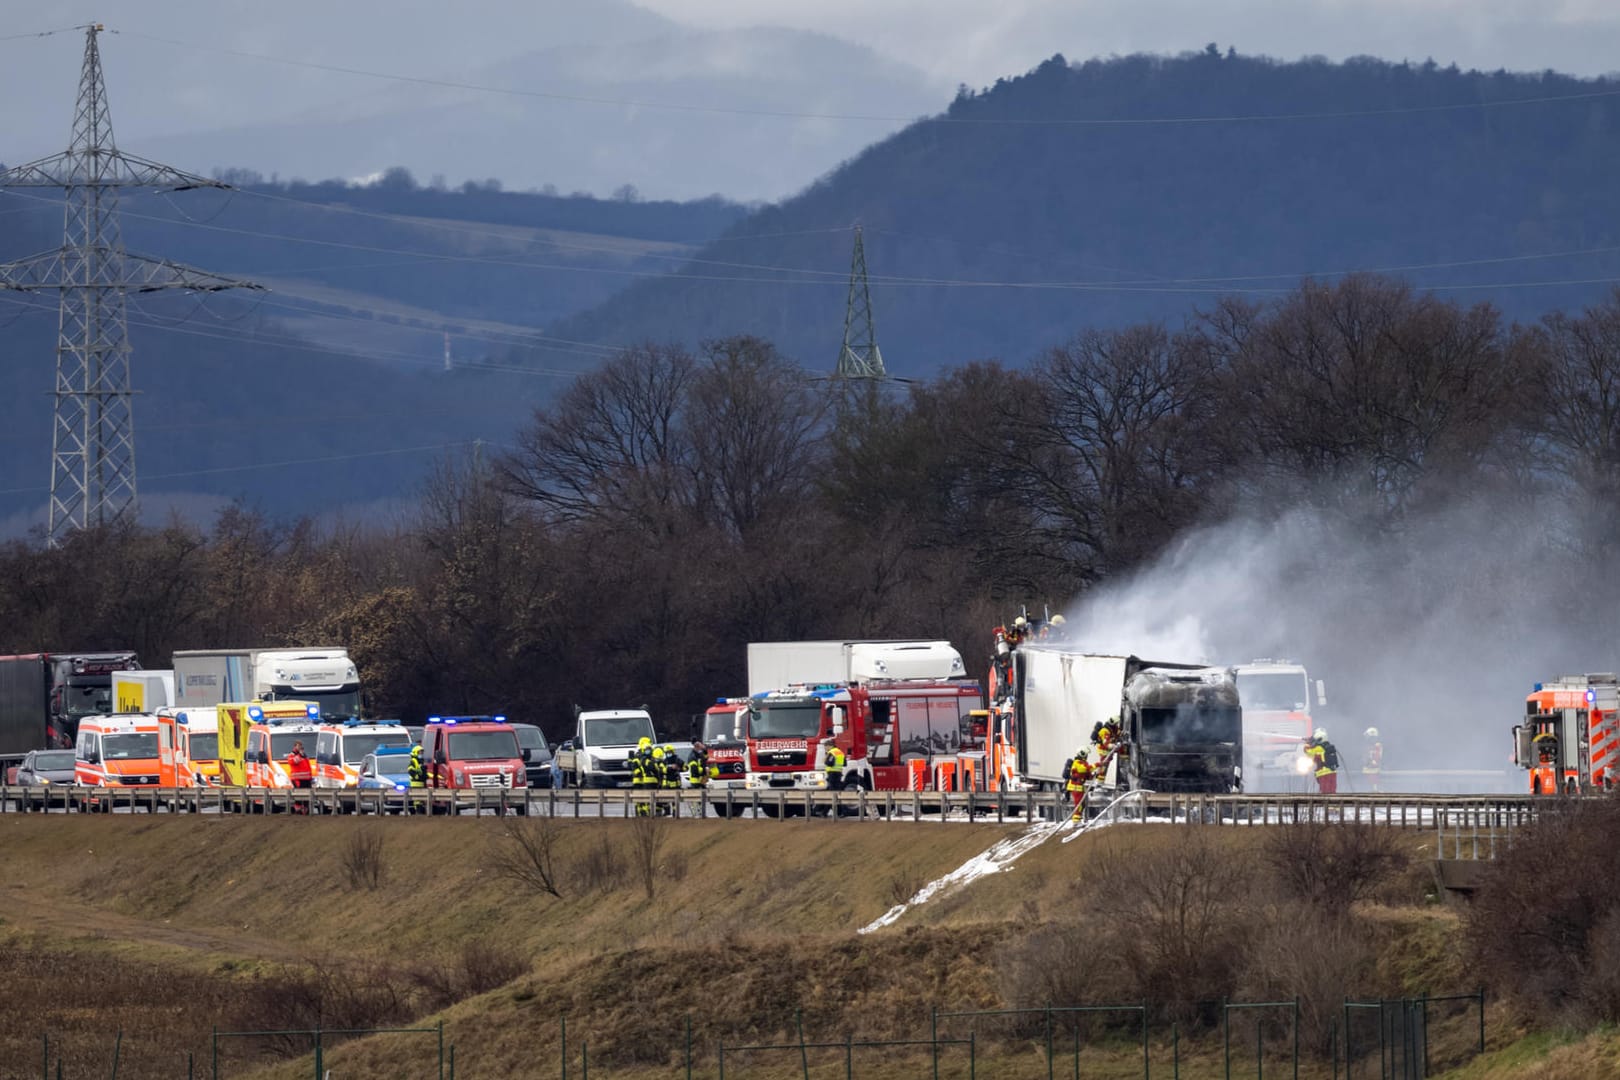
(1138, 187)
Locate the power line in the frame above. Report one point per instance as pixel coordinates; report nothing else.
(787, 114)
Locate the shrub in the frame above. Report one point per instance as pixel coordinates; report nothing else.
(1544, 925)
(601, 868)
(525, 852)
(1332, 866)
(362, 858)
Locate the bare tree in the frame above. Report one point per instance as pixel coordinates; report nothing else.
(647, 838)
(525, 852)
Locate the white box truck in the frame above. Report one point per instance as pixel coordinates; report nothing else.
(325, 676)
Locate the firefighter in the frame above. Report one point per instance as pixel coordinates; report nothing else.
(1372, 759)
(418, 771)
(1544, 776)
(1325, 756)
(670, 779)
(642, 776)
(1104, 736)
(834, 761)
(697, 769)
(1077, 774)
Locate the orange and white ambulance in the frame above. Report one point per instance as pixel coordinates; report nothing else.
(340, 749)
(117, 751)
(188, 747)
(256, 736)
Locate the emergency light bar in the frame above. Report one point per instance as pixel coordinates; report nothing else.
(313, 711)
(466, 719)
(255, 713)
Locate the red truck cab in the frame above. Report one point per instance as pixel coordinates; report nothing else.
(472, 752)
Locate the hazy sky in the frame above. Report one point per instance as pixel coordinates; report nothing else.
(173, 96)
(977, 41)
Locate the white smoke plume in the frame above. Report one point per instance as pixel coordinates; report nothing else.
(1434, 634)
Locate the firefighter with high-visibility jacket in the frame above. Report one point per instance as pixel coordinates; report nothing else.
(1325, 757)
(642, 776)
(697, 769)
(1077, 775)
(670, 778)
(833, 762)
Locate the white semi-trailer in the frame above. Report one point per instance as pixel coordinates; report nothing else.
(325, 676)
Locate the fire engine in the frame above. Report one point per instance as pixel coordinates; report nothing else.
(922, 732)
(1570, 735)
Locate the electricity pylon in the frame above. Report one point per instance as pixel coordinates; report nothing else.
(859, 358)
(93, 439)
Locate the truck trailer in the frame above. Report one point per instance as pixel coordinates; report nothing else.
(773, 665)
(325, 676)
(43, 696)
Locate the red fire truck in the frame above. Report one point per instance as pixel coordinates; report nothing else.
(897, 734)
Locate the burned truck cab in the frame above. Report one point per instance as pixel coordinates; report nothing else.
(1183, 730)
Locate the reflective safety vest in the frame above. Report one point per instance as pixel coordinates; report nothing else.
(697, 771)
(834, 763)
(671, 773)
(418, 771)
(641, 770)
(1079, 772)
(1318, 752)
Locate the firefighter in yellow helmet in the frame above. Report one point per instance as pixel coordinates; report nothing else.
(697, 768)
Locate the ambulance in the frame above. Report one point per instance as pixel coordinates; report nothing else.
(341, 748)
(188, 747)
(256, 736)
(117, 751)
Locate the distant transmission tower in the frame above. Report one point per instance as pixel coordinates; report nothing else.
(93, 440)
(859, 358)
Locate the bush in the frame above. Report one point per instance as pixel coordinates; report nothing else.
(1544, 925)
(1332, 866)
(525, 852)
(601, 868)
(1314, 954)
(362, 859)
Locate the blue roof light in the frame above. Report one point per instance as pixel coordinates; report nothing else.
(499, 719)
(255, 713)
(313, 711)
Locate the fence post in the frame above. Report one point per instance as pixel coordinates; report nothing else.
(1296, 1037)
(1146, 1066)
(1482, 1019)
(441, 1050)
(849, 1056)
(585, 1060)
(45, 1062)
(118, 1040)
(317, 1052)
(188, 1065)
(933, 1037)
(804, 1055)
(1226, 1036)
(1259, 1048)
(1049, 1041)
(1175, 1051)
(1424, 1006)
(973, 1055)
(722, 1060)
(452, 1061)
(1346, 1039)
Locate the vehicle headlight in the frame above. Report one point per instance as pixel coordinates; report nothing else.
(43, 780)
(591, 762)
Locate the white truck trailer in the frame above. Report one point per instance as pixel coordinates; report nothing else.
(773, 665)
(325, 676)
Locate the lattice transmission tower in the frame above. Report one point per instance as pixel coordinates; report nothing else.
(859, 358)
(93, 436)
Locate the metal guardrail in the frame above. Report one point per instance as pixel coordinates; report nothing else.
(1451, 814)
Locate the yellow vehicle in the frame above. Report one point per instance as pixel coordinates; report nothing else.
(250, 722)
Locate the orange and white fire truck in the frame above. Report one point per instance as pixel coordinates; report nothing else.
(1570, 737)
(188, 747)
(116, 751)
(256, 736)
(339, 749)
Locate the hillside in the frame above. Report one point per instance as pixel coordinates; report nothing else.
(1142, 187)
(241, 915)
(343, 355)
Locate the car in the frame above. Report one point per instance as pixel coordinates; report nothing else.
(389, 769)
(538, 762)
(42, 768)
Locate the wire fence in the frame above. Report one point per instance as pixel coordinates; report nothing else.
(1382, 1038)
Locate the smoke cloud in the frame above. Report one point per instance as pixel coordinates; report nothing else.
(1433, 632)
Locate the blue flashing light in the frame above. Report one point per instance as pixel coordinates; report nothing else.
(433, 720)
(1591, 696)
(353, 721)
(313, 711)
(399, 787)
(255, 713)
(1538, 688)
(720, 701)
(398, 751)
(499, 719)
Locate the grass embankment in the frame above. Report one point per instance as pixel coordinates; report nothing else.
(169, 927)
